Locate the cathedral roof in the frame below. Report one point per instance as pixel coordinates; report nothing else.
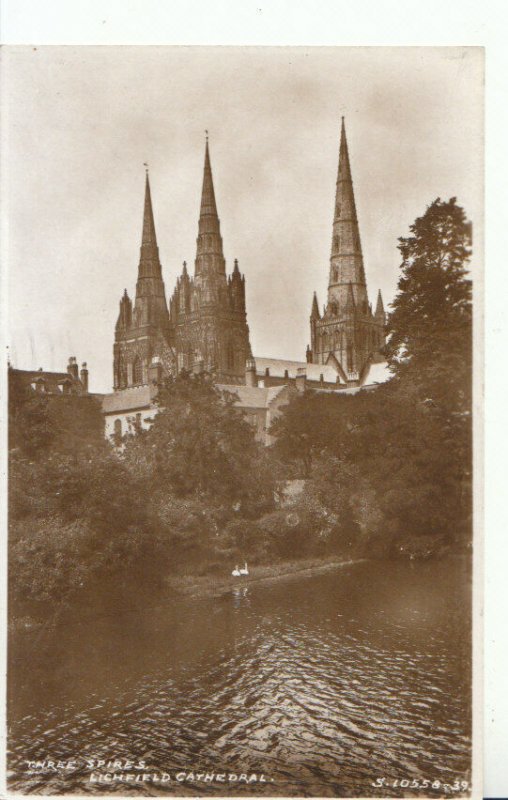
(252, 396)
(128, 399)
(278, 367)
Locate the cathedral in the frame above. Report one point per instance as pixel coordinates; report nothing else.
(349, 335)
(204, 326)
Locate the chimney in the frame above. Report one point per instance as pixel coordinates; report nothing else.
(155, 371)
(72, 368)
(301, 379)
(84, 376)
(250, 373)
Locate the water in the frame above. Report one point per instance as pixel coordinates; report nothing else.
(311, 686)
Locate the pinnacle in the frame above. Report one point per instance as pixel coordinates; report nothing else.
(315, 308)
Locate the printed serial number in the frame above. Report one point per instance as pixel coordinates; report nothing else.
(406, 783)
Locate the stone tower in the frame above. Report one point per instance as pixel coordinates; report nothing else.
(143, 332)
(348, 334)
(207, 310)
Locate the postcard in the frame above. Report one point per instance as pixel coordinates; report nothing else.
(242, 286)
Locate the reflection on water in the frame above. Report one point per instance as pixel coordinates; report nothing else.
(320, 684)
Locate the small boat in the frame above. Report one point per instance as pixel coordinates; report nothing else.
(244, 571)
(236, 572)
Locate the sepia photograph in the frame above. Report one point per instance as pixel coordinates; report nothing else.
(241, 549)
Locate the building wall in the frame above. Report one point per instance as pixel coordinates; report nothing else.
(128, 419)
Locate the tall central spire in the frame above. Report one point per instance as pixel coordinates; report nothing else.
(208, 205)
(209, 253)
(346, 260)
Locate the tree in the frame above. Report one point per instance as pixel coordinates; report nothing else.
(430, 326)
(40, 425)
(310, 424)
(200, 444)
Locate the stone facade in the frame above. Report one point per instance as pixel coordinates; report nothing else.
(206, 324)
(348, 335)
(207, 311)
(143, 332)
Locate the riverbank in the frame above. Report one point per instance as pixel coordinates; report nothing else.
(191, 586)
(215, 586)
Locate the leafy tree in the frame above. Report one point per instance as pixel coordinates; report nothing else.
(310, 424)
(200, 444)
(430, 326)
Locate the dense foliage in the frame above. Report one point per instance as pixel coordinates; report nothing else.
(410, 439)
(382, 472)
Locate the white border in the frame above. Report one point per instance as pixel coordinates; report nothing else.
(355, 22)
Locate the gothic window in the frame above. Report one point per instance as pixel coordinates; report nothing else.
(336, 243)
(118, 431)
(349, 357)
(338, 210)
(137, 371)
(122, 374)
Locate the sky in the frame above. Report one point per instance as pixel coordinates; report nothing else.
(79, 122)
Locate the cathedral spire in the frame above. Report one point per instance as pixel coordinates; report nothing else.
(380, 309)
(208, 204)
(209, 255)
(346, 260)
(150, 294)
(149, 238)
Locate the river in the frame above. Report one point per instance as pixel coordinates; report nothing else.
(315, 686)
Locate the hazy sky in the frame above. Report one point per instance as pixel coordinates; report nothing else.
(80, 121)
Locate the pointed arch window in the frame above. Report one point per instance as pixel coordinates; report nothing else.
(336, 243)
(349, 357)
(137, 371)
(117, 435)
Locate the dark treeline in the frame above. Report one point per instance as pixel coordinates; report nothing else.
(382, 473)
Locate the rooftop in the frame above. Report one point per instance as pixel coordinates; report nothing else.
(278, 367)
